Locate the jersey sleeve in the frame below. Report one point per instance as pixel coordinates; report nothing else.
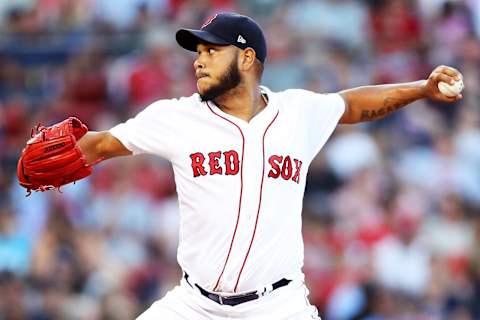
(318, 114)
(151, 130)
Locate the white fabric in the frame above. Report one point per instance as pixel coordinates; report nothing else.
(295, 124)
(402, 267)
(351, 152)
(185, 303)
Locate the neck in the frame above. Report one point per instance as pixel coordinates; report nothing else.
(243, 101)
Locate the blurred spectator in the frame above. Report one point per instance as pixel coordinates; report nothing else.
(12, 79)
(285, 70)
(450, 28)
(150, 78)
(122, 14)
(396, 29)
(395, 26)
(85, 87)
(325, 19)
(64, 15)
(401, 263)
(15, 249)
(11, 304)
(449, 234)
(468, 154)
(350, 152)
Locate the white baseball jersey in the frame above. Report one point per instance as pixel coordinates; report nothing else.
(240, 184)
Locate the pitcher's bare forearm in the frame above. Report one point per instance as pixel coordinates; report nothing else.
(375, 102)
(97, 145)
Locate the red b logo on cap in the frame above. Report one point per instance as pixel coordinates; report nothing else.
(209, 20)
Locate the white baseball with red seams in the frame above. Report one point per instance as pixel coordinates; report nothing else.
(240, 184)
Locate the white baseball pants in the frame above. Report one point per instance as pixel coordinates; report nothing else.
(187, 303)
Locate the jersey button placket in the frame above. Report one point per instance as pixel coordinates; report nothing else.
(252, 179)
(227, 282)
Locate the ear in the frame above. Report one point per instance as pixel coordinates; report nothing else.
(247, 59)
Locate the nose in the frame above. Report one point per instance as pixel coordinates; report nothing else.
(198, 64)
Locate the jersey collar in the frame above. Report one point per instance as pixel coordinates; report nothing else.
(261, 119)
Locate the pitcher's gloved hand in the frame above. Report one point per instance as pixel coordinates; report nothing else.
(51, 157)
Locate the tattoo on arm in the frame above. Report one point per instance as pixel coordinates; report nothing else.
(389, 105)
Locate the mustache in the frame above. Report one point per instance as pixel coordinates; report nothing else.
(201, 74)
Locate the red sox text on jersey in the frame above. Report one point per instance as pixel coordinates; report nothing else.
(227, 162)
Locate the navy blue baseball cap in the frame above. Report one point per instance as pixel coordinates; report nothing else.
(226, 29)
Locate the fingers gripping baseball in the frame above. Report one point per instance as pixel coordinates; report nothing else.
(444, 84)
(52, 158)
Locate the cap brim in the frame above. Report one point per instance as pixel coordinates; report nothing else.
(189, 38)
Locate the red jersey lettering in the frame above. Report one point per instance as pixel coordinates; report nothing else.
(214, 165)
(197, 164)
(275, 162)
(298, 167)
(287, 168)
(232, 164)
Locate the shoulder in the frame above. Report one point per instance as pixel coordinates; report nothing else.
(289, 93)
(173, 105)
(182, 102)
(302, 97)
(288, 96)
(296, 93)
(307, 94)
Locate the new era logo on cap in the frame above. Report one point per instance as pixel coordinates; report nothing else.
(241, 39)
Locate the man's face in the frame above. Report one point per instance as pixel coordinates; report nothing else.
(216, 70)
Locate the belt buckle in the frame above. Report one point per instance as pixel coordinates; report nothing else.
(220, 299)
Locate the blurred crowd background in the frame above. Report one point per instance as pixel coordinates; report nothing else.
(392, 207)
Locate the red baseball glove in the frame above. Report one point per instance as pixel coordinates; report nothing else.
(51, 157)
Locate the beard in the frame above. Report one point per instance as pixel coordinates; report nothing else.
(228, 81)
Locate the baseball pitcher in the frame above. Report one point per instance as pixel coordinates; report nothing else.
(240, 154)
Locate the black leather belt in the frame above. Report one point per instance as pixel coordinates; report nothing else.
(238, 299)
